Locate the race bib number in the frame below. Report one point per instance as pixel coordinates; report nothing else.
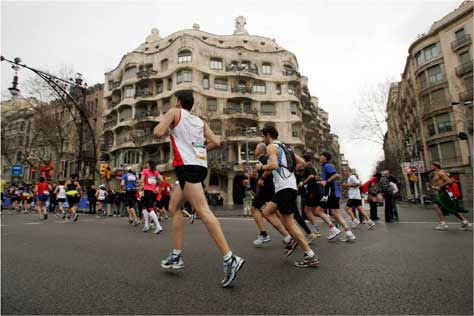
(151, 180)
(132, 178)
(200, 150)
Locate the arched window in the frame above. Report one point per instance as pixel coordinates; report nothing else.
(184, 57)
(184, 75)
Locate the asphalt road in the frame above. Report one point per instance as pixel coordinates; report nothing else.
(104, 266)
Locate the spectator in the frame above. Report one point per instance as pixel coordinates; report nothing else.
(396, 193)
(92, 199)
(387, 192)
(373, 201)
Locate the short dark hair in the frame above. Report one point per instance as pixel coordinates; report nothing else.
(152, 165)
(327, 155)
(41, 179)
(308, 157)
(73, 176)
(185, 98)
(434, 163)
(269, 129)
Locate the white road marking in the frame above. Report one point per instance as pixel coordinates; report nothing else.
(34, 223)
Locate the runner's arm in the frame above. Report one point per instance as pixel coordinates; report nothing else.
(272, 163)
(168, 120)
(300, 163)
(212, 141)
(332, 178)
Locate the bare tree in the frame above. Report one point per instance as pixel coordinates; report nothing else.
(370, 124)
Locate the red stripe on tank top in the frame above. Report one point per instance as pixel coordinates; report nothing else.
(177, 160)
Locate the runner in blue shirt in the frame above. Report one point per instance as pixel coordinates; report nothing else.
(129, 183)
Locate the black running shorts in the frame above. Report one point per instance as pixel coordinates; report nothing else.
(286, 201)
(261, 198)
(164, 202)
(148, 200)
(311, 199)
(354, 203)
(331, 204)
(131, 198)
(191, 174)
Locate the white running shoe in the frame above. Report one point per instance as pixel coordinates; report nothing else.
(465, 226)
(152, 225)
(261, 240)
(441, 226)
(371, 225)
(355, 223)
(146, 228)
(348, 236)
(333, 233)
(158, 230)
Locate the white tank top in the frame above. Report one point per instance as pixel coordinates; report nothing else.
(187, 139)
(282, 177)
(61, 192)
(101, 195)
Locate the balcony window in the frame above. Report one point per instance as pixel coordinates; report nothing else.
(159, 87)
(427, 54)
(443, 123)
(205, 83)
(430, 127)
(216, 64)
(126, 114)
(129, 73)
(278, 88)
(184, 57)
(267, 109)
(170, 84)
(216, 127)
(259, 88)
(296, 130)
(460, 33)
(438, 97)
(294, 108)
(448, 152)
(291, 89)
(164, 65)
(435, 75)
(211, 105)
(184, 75)
(129, 92)
(220, 84)
(267, 69)
(422, 80)
(464, 57)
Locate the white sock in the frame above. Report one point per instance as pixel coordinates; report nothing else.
(287, 238)
(228, 256)
(443, 222)
(464, 221)
(309, 253)
(155, 219)
(145, 217)
(176, 252)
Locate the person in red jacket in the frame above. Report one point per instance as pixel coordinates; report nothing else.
(41, 190)
(453, 189)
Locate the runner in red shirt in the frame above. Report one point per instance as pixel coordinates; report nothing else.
(163, 202)
(149, 181)
(42, 189)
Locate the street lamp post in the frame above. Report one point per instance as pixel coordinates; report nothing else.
(77, 91)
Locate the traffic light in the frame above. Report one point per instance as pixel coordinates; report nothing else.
(103, 169)
(462, 136)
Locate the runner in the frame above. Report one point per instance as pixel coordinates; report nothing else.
(73, 189)
(355, 199)
(312, 194)
(162, 204)
(149, 181)
(61, 195)
(282, 164)
(129, 184)
(189, 135)
(443, 203)
(42, 189)
(330, 200)
(101, 196)
(24, 197)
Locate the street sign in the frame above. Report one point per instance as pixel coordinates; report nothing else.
(413, 167)
(17, 170)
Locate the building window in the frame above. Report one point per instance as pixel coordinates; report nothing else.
(166, 105)
(427, 54)
(259, 87)
(211, 105)
(216, 64)
(129, 92)
(205, 83)
(438, 97)
(291, 89)
(220, 84)
(443, 123)
(266, 69)
(267, 109)
(159, 86)
(460, 33)
(430, 126)
(170, 84)
(184, 75)
(184, 57)
(435, 75)
(448, 152)
(294, 108)
(464, 57)
(164, 65)
(295, 130)
(216, 127)
(422, 80)
(129, 73)
(278, 88)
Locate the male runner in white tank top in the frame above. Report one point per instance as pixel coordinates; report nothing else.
(284, 199)
(191, 138)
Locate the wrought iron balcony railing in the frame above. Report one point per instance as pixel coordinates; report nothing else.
(461, 41)
(464, 68)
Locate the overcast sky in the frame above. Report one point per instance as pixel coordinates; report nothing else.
(341, 46)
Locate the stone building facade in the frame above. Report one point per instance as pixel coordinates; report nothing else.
(432, 104)
(240, 83)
